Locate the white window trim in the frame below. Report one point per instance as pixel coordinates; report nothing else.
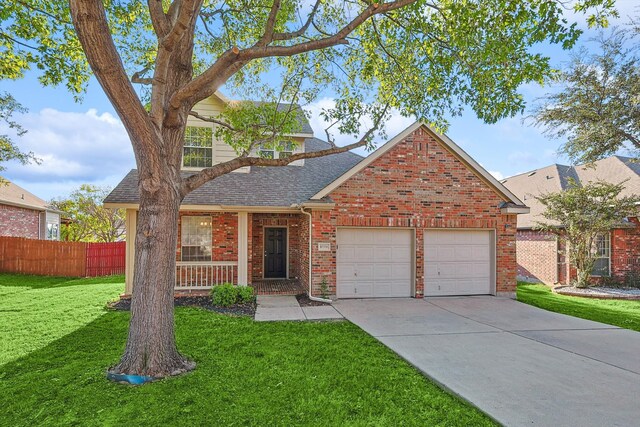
(213, 143)
(277, 153)
(182, 245)
(608, 234)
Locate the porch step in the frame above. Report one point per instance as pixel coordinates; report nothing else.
(278, 287)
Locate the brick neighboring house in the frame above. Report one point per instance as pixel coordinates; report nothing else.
(23, 214)
(416, 217)
(541, 255)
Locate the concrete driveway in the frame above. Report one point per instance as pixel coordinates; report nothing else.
(519, 364)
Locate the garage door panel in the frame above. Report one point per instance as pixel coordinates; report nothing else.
(376, 263)
(457, 262)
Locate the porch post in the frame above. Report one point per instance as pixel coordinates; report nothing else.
(243, 248)
(131, 218)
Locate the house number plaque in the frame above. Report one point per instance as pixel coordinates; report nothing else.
(324, 246)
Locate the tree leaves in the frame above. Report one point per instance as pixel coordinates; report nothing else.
(598, 108)
(90, 221)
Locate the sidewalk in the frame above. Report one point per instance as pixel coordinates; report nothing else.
(285, 307)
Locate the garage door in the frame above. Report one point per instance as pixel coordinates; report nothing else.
(457, 262)
(374, 263)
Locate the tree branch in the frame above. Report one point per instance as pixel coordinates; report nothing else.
(158, 18)
(90, 21)
(295, 34)
(212, 120)
(231, 61)
(267, 37)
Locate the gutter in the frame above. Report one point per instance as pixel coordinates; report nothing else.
(311, 297)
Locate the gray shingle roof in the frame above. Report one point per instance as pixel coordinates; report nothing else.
(556, 177)
(279, 186)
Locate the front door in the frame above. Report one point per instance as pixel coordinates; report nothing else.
(275, 253)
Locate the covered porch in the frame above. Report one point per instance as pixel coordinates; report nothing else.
(266, 250)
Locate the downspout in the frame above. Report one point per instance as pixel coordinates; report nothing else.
(311, 297)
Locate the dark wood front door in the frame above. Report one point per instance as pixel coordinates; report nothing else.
(275, 253)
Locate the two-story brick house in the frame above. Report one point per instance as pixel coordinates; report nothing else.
(416, 217)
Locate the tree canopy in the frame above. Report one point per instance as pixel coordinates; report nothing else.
(90, 221)
(8, 148)
(597, 108)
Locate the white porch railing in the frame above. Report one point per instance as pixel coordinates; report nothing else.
(204, 275)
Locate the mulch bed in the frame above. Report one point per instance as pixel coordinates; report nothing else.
(304, 301)
(599, 292)
(248, 309)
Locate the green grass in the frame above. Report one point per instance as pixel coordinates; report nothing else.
(249, 373)
(35, 310)
(625, 314)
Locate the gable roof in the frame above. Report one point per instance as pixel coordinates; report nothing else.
(448, 144)
(276, 187)
(14, 195)
(555, 178)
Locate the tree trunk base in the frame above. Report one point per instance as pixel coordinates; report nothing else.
(145, 366)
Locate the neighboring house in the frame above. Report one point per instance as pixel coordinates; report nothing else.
(541, 255)
(418, 216)
(23, 214)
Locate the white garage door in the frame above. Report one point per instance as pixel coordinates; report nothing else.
(374, 263)
(457, 262)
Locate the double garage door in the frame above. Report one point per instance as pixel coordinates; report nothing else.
(378, 262)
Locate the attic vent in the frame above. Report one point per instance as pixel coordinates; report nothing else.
(549, 177)
(532, 173)
(22, 197)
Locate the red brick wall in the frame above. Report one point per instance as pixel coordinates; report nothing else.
(19, 222)
(537, 256)
(625, 255)
(261, 220)
(417, 184)
(625, 250)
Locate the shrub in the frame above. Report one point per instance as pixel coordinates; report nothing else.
(224, 295)
(245, 294)
(632, 279)
(227, 294)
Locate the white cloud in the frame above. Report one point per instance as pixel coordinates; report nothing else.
(497, 175)
(75, 148)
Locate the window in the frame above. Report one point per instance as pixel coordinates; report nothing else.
(198, 147)
(195, 239)
(271, 153)
(603, 251)
(52, 231)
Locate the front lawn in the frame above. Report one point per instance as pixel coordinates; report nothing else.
(36, 310)
(249, 373)
(625, 314)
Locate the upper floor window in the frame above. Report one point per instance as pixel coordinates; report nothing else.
(271, 153)
(198, 147)
(603, 252)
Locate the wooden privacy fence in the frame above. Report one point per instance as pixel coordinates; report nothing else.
(69, 259)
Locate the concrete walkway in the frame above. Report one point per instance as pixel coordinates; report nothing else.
(281, 307)
(519, 364)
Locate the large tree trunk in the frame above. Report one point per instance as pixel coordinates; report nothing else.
(151, 347)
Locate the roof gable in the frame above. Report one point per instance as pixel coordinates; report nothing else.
(557, 177)
(446, 142)
(12, 194)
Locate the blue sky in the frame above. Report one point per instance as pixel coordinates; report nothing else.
(86, 143)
